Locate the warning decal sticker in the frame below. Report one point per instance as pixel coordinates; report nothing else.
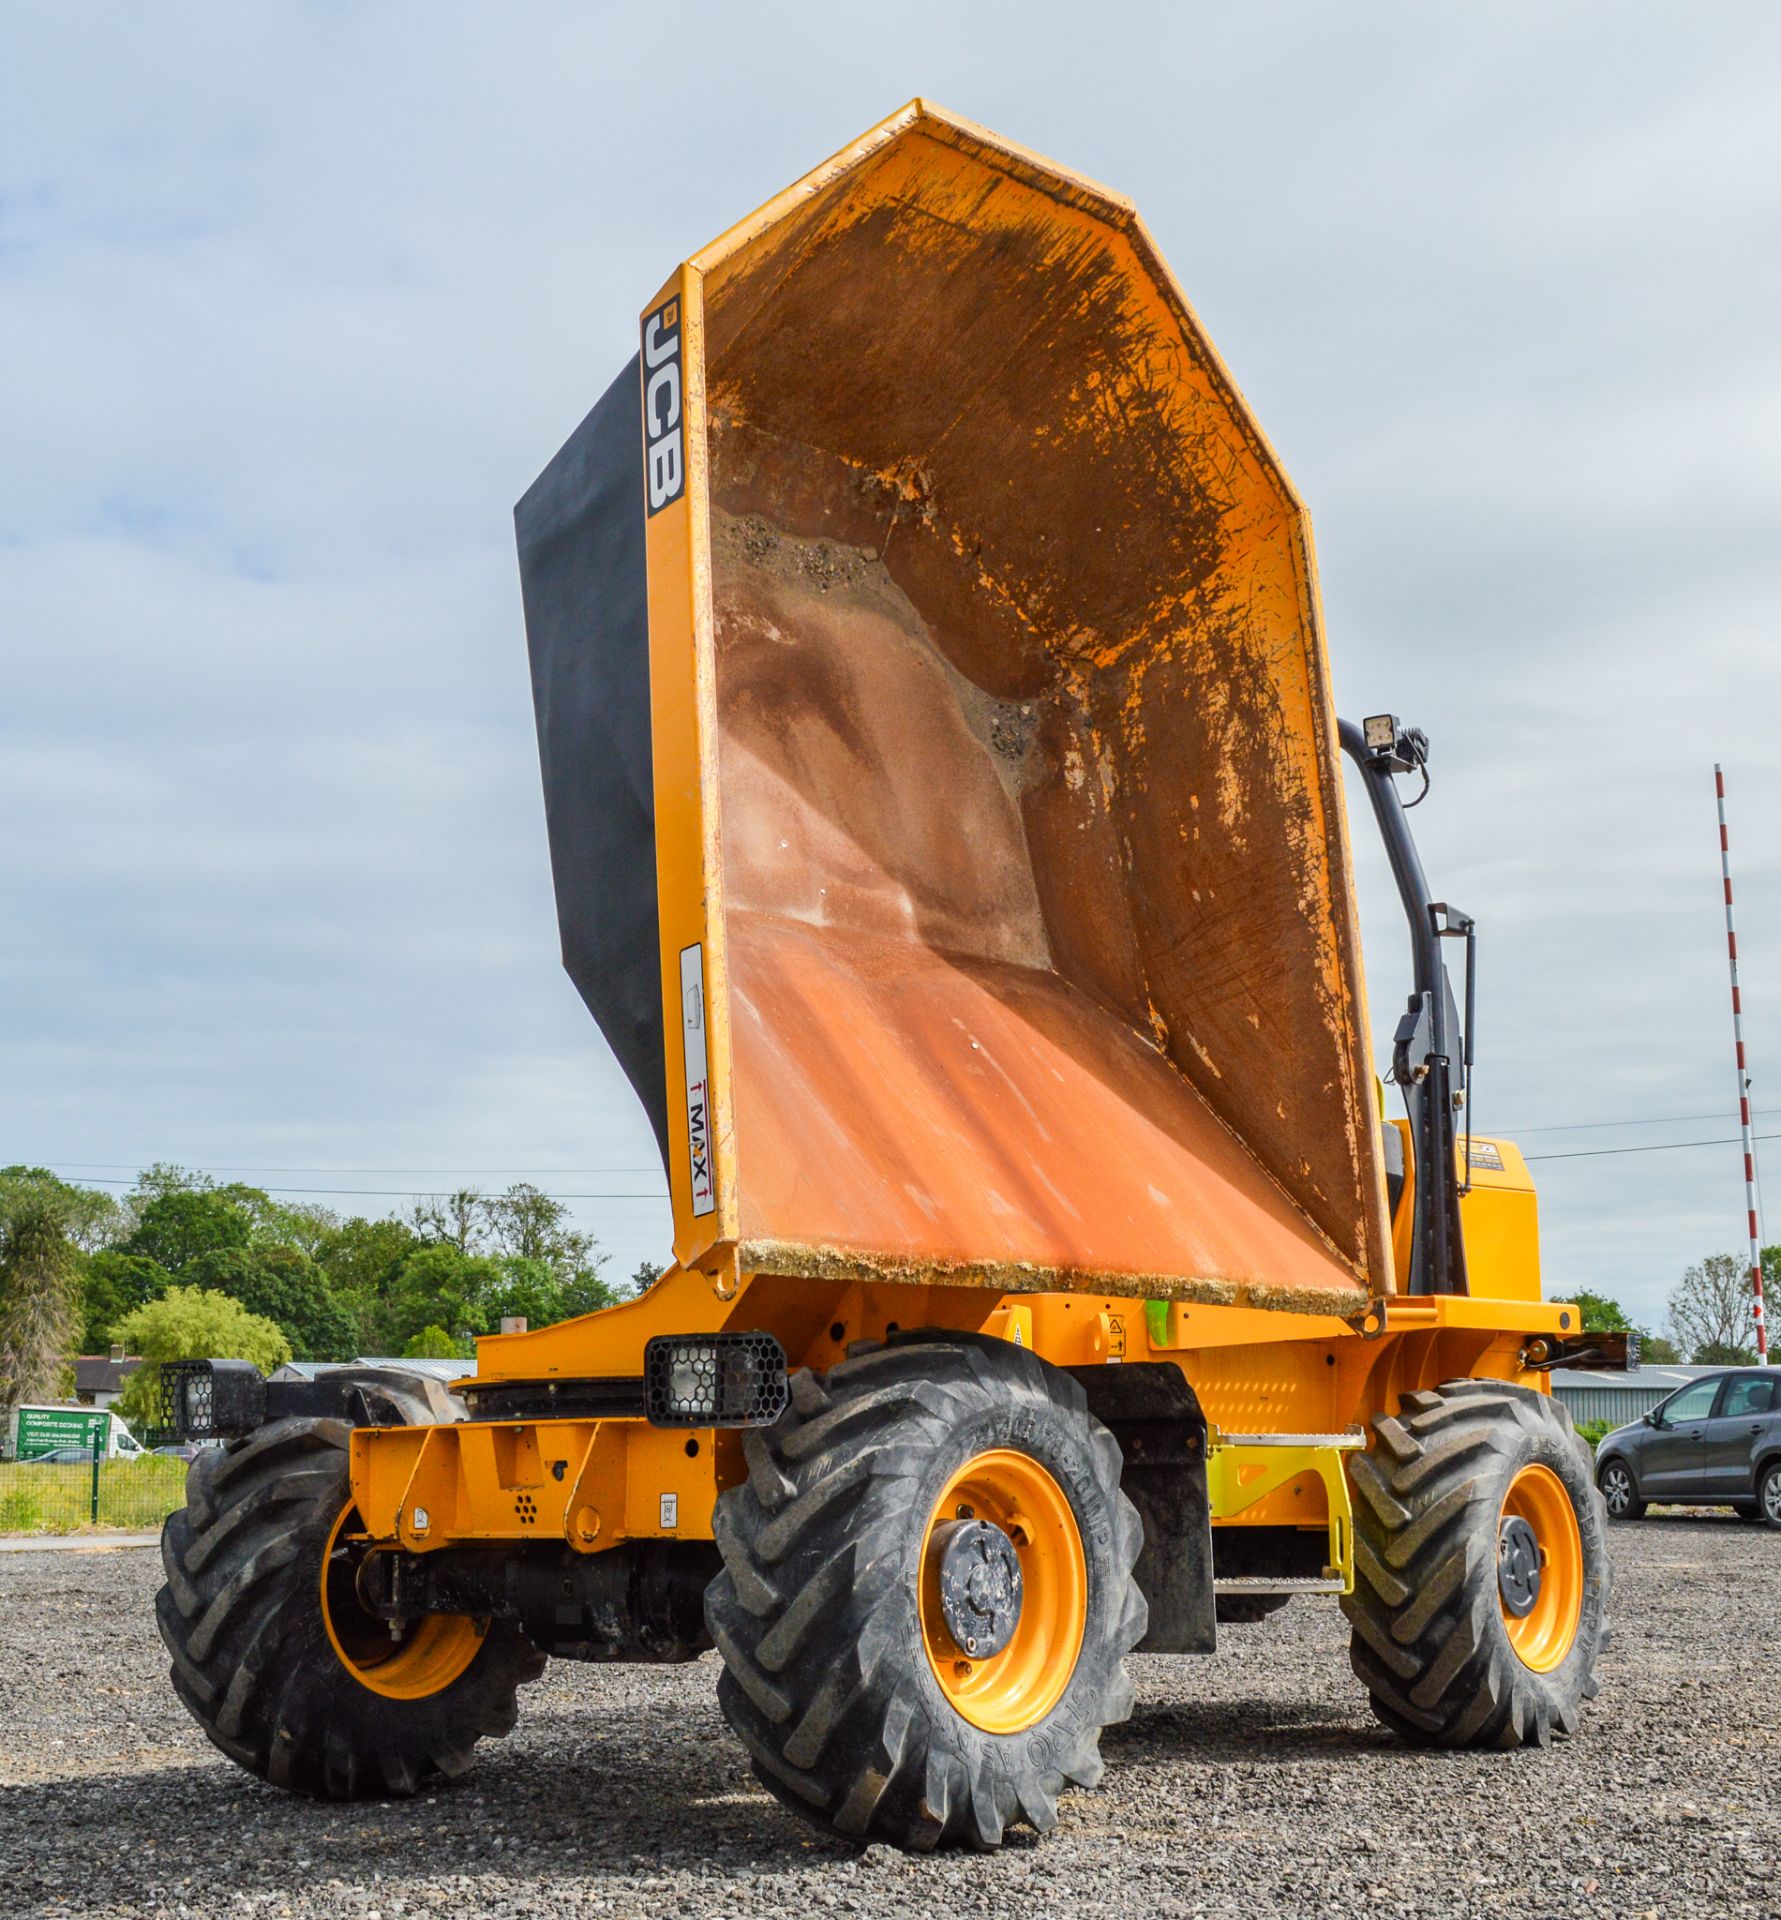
(698, 1084)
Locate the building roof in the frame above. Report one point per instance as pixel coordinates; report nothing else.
(1654, 1379)
(99, 1373)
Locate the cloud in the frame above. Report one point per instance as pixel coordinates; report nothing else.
(294, 303)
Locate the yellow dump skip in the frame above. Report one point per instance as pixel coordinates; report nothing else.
(1003, 877)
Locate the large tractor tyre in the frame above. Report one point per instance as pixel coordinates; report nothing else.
(927, 1594)
(274, 1655)
(1481, 1568)
(1620, 1491)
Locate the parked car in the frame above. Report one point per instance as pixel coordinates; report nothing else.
(1714, 1443)
(60, 1457)
(181, 1450)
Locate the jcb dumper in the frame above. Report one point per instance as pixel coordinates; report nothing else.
(945, 803)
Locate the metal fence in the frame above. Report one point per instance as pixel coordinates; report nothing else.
(65, 1496)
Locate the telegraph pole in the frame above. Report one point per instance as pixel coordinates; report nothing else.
(1731, 941)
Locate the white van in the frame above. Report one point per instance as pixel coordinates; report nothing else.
(40, 1430)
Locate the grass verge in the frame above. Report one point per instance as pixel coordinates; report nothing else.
(59, 1499)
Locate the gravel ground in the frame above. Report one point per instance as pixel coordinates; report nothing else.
(1254, 1784)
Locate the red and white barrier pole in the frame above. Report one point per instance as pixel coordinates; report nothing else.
(1731, 941)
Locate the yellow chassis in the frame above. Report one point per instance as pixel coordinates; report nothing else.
(1260, 1376)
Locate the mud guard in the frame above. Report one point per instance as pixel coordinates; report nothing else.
(1155, 1416)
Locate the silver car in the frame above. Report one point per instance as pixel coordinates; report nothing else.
(1714, 1443)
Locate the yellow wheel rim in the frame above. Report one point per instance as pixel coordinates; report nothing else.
(421, 1660)
(1544, 1634)
(1017, 1687)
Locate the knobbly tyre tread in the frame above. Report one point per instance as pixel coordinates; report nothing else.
(815, 1613)
(1428, 1640)
(240, 1614)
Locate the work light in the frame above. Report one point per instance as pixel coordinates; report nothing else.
(714, 1380)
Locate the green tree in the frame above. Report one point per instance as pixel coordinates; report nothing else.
(361, 1259)
(458, 1219)
(116, 1283)
(179, 1225)
(1721, 1353)
(523, 1288)
(187, 1323)
(1656, 1351)
(90, 1218)
(439, 1286)
(434, 1343)
(163, 1178)
(1599, 1314)
(647, 1274)
(374, 1320)
(526, 1224)
(586, 1292)
(523, 1223)
(363, 1255)
(534, 1262)
(284, 1285)
(269, 1222)
(39, 1301)
(1712, 1312)
(278, 1224)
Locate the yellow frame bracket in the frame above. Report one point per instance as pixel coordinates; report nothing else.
(1243, 1468)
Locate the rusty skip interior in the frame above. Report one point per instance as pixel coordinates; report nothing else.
(1042, 957)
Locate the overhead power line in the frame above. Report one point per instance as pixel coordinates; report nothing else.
(1659, 1146)
(1602, 1126)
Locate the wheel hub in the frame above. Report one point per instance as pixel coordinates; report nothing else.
(1518, 1566)
(980, 1586)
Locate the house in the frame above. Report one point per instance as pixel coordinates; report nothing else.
(99, 1378)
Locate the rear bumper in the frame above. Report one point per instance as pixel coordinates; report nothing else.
(589, 1484)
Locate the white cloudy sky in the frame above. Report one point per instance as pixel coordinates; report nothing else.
(295, 300)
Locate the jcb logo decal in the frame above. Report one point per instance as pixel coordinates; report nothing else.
(664, 444)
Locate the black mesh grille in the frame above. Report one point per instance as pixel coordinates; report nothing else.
(714, 1380)
(186, 1396)
(210, 1399)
